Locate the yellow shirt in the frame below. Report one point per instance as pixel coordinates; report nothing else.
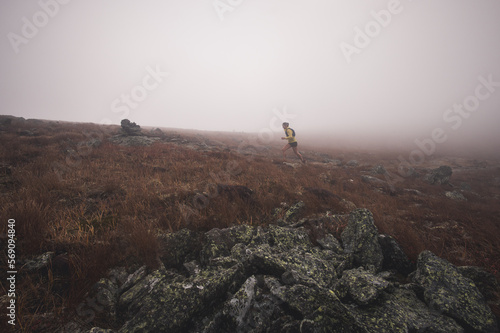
(289, 135)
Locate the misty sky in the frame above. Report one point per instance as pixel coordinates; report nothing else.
(385, 68)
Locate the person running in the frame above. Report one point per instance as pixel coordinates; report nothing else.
(292, 143)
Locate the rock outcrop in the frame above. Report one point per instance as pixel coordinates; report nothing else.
(278, 279)
(131, 135)
(439, 176)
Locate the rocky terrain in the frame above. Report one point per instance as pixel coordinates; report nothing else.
(278, 279)
(128, 229)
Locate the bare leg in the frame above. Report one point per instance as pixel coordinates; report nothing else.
(296, 151)
(284, 149)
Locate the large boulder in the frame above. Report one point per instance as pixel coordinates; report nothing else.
(163, 304)
(179, 247)
(360, 238)
(449, 292)
(361, 286)
(394, 256)
(130, 128)
(402, 311)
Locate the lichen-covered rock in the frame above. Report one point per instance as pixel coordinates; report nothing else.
(402, 311)
(394, 256)
(250, 309)
(485, 281)
(360, 237)
(176, 248)
(173, 306)
(446, 290)
(106, 294)
(274, 279)
(313, 265)
(329, 242)
(321, 309)
(294, 213)
(283, 238)
(219, 242)
(360, 286)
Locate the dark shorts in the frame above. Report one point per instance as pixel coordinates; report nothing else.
(293, 144)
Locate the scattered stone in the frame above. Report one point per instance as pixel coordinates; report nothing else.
(413, 191)
(38, 263)
(348, 205)
(439, 176)
(379, 170)
(352, 163)
(374, 181)
(133, 140)
(455, 195)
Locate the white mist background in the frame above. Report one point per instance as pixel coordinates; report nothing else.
(231, 74)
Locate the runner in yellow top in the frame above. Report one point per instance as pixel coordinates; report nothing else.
(292, 142)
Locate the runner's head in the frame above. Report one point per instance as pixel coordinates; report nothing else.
(285, 125)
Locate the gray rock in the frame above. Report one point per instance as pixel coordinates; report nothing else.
(455, 195)
(129, 128)
(250, 309)
(379, 170)
(37, 263)
(329, 242)
(294, 213)
(179, 247)
(485, 281)
(352, 163)
(439, 176)
(394, 256)
(402, 311)
(360, 238)
(173, 306)
(361, 286)
(219, 242)
(447, 291)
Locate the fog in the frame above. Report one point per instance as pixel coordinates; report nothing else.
(385, 72)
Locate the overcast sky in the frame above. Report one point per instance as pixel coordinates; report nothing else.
(384, 68)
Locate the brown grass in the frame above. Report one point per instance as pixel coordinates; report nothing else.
(103, 206)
